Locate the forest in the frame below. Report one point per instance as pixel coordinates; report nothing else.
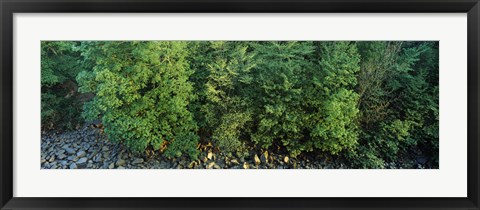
(364, 104)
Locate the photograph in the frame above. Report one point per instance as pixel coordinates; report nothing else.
(239, 104)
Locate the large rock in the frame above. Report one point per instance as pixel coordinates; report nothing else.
(82, 162)
(264, 157)
(70, 151)
(73, 166)
(61, 156)
(120, 162)
(257, 160)
(165, 164)
(137, 161)
(86, 146)
(98, 158)
(234, 161)
(192, 164)
(59, 152)
(81, 154)
(211, 165)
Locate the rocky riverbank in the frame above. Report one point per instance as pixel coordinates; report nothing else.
(88, 148)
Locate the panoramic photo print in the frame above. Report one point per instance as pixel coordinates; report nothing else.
(239, 105)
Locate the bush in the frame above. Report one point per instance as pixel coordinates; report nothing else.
(141, 94)
(398, 86)
(277, 96)
(333, 122)
(371, 102)
(61, 104)
(226, 107)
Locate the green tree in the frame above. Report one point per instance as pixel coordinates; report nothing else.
(61, 104)
(141, 94)
(398, 105)
(330, 98)
(227, 108)
(276, 91)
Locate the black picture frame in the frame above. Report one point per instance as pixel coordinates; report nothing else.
(9, 7)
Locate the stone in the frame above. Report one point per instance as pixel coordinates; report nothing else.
(61, 156)
(62, 151)
(164, 164)
(210, 155)
(51, 159)
(137, 161)
(264, 157)
(81, 154)
(120, 162)
(257, 160)
(105, 148)
(111, 166)
(82, 160)
(86, 146)
(71, 158)
(234, 161)
(210, 165)
(98, 158)
(421, 160)
(245, 165)
(192, 164)
(70, 151)
(121, 167)
(285, 159)
(217, 166)
(73, 166)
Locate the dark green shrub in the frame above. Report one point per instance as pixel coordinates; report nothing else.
(226, 107)
(61, 104)
(141, 94)
(372, 103)
(398, 86)
(277, 95)
(333, 103)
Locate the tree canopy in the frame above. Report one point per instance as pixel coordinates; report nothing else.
(369, 103)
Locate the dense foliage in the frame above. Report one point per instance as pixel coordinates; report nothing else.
(142, 93)
(370, 103)
(61, 104)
